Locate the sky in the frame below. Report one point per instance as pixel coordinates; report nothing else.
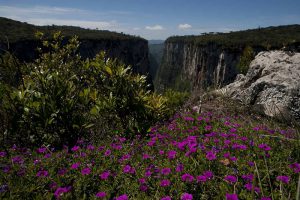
(155, 19)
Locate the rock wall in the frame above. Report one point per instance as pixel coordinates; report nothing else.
(272, 85)
(187, 66)
(132, 52)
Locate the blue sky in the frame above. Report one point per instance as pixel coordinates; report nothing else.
(155, 19)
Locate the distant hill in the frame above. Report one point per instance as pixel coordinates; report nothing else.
(12, 31)
(270, 37)
(156, 41)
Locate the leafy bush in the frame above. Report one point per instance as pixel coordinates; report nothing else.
(64, 98)
(175, 99)
(245, 60)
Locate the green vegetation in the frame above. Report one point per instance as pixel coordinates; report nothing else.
(90, 129)
(13, 31)
(194, 156)
(60, 98)
(245, 60)
(268, 38)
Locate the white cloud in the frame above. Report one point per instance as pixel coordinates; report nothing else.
(136, 28)
(44, 15)
(21, 11)
(184, 26)
(154, 28)
(80, 23)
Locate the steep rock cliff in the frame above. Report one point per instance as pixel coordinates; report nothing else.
(187, 66)
(18, 38)
(213, 60)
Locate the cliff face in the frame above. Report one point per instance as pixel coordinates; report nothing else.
(214, 59)
(130, 52)
(188, 66)
(18, 38)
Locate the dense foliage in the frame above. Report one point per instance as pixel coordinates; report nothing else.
(12, 31)
(245, 60)
(193, 157)
(60, 97)
(267, 38)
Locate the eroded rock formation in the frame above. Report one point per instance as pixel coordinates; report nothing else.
(271, 85)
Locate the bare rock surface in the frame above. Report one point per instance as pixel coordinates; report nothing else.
(271, 85)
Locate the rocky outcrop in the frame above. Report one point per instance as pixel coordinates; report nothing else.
(187, 66)
(272, 84)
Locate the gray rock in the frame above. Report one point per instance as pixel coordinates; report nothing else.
(271, 85)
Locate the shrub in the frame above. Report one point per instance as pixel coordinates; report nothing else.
(64, 98)
(245, 60)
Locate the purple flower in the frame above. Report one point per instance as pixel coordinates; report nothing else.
(6, 169)
(122, 197)
(264, 147)
(143, 188)
(208, 128)
(75, 148)
(172, 154)
(47, 155)
(166, 171)
(53, 185)
(2, 154)
(165, 183)
(295, 167)
(188, 118)
(179, 168)
(166, 198)
(142, 180)
(86, 171)
(283, 179)
(248, 186)
(266, 198)
(62, 172)
(146, 156)
(42, 173)
(107, 152)
(104, 175)
(248, 177)
(148, 173)
(230, 178)
(201, 178)
(211, 155)
(75, 165)
(3, 188)
(161, 152)
(187, 178)
(91, 147)
(127, 169)
(41, 150)
(101, 194)
(208, 174)
(186, 196)
(61, 190)
(17, 160)
(232, 197)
